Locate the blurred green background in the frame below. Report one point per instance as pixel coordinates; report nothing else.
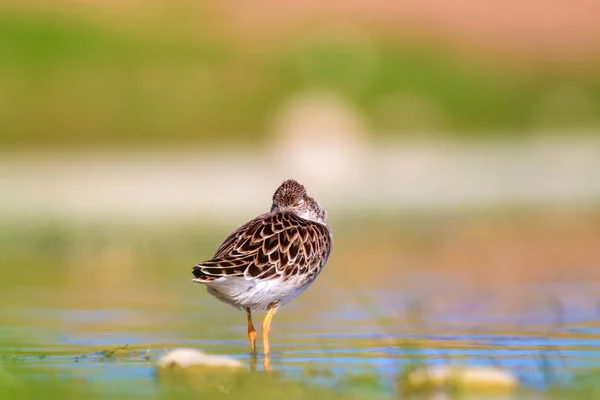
(160, 74)
(454, 144)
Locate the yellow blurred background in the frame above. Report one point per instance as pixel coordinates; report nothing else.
(454, 144)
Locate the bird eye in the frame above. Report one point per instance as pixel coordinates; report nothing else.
(299, 203)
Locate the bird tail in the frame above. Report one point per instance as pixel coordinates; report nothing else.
(200, 276)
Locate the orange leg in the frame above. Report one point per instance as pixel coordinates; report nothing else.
(267, 363)
(251, 331)
(266, 328)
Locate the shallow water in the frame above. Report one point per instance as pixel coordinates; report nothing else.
(340, 340)
(355, 321)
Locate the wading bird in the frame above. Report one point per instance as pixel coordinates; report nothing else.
(270, 260)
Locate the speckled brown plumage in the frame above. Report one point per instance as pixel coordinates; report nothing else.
(274, 245)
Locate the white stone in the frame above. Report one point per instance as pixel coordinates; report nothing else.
(186, 358)
(467, 377)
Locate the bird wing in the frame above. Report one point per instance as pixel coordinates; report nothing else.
(272, 245)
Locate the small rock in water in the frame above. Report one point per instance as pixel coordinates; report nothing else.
(199, 371)
(466, 379)
(186, 358)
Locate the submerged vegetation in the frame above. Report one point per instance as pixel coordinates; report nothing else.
(23, 378)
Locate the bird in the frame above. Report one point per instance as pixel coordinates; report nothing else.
(271, 259)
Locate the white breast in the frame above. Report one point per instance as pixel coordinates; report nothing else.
(257, 294)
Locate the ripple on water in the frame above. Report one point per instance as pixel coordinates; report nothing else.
(342, 341)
